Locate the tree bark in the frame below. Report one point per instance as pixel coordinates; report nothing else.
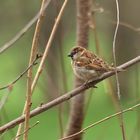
(77, 103)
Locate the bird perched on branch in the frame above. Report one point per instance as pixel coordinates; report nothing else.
(86, 65)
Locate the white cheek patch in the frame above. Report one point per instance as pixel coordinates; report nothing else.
(75, 56)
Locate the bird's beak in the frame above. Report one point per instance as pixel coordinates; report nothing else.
(69, 55)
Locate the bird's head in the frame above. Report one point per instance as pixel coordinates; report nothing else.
(76, 52)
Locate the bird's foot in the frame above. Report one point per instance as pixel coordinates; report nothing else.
(88, 84)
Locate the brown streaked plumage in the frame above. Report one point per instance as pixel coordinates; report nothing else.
(86, 65)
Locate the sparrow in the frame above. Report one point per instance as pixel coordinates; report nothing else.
(86, 65)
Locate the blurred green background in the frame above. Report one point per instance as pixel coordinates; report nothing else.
(57, 77)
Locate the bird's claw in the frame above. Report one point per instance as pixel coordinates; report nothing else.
(89, 84)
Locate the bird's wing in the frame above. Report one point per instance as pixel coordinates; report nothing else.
(92, 62)
(82, 62)
(97, 67)
(97, 63)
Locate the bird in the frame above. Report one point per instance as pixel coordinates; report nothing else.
(86, 65)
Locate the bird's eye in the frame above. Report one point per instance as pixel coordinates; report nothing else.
(75, 51)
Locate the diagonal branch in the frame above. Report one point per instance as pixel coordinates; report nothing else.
(102, 120)
(21, 75)
(45, 54)
(30, 127)
(66, 96)
(9, 44)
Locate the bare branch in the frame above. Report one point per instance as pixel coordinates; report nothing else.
(48, 45)
(21, 75)
(9, 44)
(127, 25)
(26, 130)
(114, 49)
(102, 120)
(116, 74)
(33, 53)
(33, 84)
(66, 96)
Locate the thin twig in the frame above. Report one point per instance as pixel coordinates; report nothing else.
(26, 130)
(9, 44)
(114, 49)
(10, 85)
(116, 74)
(102, 120)
(127, 25)
(30, 90)
(48, 45)
(34, 50)
(66, 96)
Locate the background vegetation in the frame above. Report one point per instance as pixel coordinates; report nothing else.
(57, 77)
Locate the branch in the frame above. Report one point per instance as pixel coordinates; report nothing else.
(102, 120)
(10, 85)
(9, 44)
(127, 25)
(66, 96)
(116, 74)
(33, 53)
(31, 85)
(114, 50)
(39, 70)
(30, 127)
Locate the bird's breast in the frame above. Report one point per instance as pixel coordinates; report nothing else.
(85, 74)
